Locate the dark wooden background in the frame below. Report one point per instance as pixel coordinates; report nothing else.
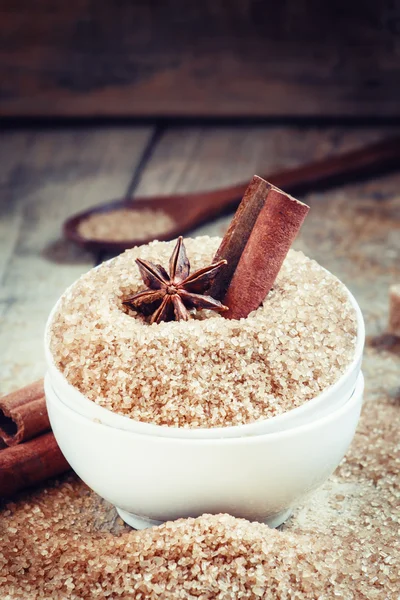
(200, 58)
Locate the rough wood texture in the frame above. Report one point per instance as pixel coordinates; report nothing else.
(205, 158)
(354, 231)
(44, 178)
(190, 58)
(191, 209)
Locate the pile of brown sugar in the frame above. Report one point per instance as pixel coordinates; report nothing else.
(64, 542)
(209, 371)
(126, 224)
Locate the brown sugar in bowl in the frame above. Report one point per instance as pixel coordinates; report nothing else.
(210, 375)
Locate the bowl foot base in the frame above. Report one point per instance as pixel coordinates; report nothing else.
(277, 519)
(138, 522)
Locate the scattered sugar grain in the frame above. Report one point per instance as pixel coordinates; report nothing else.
(209, 371)
(343, 543)
(126, 224)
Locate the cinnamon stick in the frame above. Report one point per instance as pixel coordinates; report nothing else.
(394, 310)
(274, 231)
(30, 463)
(23, 414)
(238, 233)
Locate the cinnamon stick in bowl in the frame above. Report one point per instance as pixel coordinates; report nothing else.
(274, 231)
(255, 246)
(238, 233)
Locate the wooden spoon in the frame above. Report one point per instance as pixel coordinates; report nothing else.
(192, 209)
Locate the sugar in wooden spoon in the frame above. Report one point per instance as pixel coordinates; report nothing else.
(181, 213)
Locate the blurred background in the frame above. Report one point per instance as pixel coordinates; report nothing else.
(243, 58)
(125, 99)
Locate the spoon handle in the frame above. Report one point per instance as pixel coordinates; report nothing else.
(339, 169)
(189, 210)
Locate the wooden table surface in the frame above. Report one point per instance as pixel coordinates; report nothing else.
(47, 175)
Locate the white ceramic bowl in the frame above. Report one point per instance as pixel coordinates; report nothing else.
(151, 479)
(331, 398)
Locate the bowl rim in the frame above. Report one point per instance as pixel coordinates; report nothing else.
(356, 398)
(114, 419)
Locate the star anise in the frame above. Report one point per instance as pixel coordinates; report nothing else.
(170, 297)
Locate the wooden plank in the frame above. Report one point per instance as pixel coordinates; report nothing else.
(52, 175)
(205, 59)
(206, 157)
(200, 158)
(11, 146)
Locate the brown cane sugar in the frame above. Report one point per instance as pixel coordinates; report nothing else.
(125, 224)
(209, 557)
(208, 371)
(62, 542)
